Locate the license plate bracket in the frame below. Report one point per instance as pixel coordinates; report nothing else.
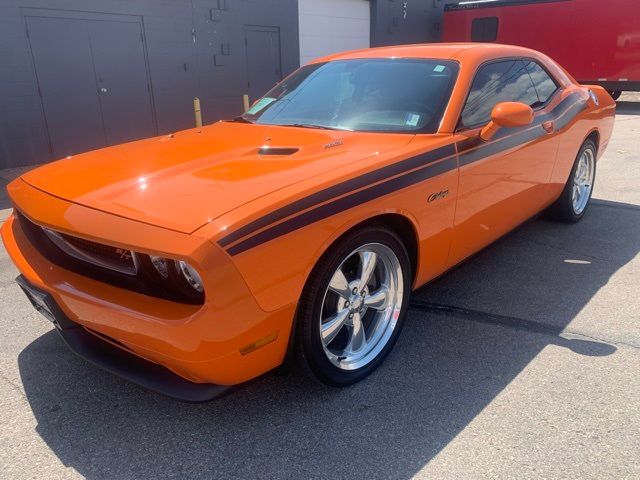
(41, 301)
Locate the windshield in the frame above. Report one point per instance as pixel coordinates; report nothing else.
(373, 95)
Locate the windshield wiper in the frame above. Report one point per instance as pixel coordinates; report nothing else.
(319, 127)
(241, 119)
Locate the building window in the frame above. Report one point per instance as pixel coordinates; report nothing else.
(484, 29)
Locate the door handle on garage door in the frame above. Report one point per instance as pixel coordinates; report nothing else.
(548, 126)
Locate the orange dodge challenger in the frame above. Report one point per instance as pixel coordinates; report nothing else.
(195, 261)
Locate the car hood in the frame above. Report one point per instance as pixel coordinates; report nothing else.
(184, 180)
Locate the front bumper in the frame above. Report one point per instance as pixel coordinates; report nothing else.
(117, 360)
(201, 343)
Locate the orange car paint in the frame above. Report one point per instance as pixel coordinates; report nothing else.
(507, 115)
(255, 226)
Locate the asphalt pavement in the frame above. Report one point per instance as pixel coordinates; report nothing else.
(524, 362)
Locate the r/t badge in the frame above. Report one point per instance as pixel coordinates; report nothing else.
(436, 196)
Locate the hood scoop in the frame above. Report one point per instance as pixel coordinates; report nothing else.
(282, 151)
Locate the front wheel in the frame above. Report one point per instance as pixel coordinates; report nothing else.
(575, 198)
(353, 306)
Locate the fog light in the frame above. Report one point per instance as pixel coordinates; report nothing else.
(190, 275)
(161, 265)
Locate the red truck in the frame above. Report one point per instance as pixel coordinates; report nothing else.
(597, 42)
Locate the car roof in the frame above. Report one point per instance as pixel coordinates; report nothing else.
(444, 51)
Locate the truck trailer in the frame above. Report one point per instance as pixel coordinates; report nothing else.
(597, 42)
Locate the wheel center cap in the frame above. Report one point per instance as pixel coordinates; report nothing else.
(356, 303)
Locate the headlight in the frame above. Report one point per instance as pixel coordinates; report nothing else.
(177, 278)
(190, 275)
(161, 265)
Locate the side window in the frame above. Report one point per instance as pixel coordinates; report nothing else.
(484, 29)
(504, 81)
(545, 85)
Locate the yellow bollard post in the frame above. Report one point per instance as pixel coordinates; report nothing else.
(198, 112)
(245, 102)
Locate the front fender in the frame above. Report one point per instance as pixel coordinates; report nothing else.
(276, 254)
(276, 271)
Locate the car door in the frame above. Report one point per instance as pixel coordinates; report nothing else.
(503, 181)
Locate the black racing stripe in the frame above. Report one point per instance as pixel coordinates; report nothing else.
(472, 150)
(564, 105)
(573, 103)
(565, 117)
(339, 190)
(345, 203)
(494, 148)
(468, 151)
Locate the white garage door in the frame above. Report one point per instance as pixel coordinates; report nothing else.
(329, 26)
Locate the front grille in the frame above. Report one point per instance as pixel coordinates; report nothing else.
(106, 256)
(115, 266)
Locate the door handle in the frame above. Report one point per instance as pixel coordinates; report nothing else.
(548, 126)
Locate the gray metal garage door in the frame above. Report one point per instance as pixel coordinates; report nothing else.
(93, 80)
(263, 59)
(331, 26)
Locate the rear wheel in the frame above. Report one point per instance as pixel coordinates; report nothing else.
(575, 198)
(353, 306)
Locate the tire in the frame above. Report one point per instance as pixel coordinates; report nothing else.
(565, 209)
(362, 323)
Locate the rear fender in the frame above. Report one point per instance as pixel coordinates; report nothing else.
(605, 108)
(597, 115)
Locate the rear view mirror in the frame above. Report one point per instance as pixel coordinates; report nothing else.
(507, 115)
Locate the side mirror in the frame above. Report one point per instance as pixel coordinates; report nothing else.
(507, 115)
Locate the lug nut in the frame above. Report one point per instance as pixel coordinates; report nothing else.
(351, 315)
(355, 290)
(346, 304)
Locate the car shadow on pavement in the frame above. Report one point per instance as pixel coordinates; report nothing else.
(627, 108)
(467, 336)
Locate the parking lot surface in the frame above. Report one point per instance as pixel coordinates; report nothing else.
(524, 362)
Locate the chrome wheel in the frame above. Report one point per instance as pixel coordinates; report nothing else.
(583, 181)
(361, 306)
